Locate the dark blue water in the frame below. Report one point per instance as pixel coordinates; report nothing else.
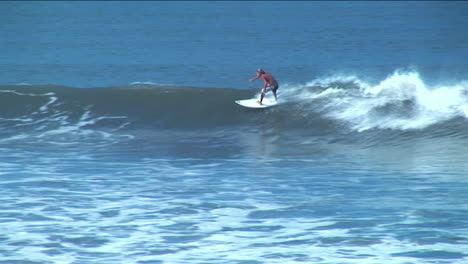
(120, 141)
(221, 44)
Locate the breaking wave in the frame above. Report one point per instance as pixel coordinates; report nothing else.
(402, 103)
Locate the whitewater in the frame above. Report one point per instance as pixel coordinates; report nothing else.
(402, 101)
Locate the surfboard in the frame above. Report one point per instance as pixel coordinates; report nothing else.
(252, 103)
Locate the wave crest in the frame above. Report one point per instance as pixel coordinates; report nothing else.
(403, 101)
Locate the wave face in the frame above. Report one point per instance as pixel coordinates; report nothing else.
(402, 104)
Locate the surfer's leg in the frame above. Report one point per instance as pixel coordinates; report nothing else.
(264, 90)
(261, 97)
(274, 92)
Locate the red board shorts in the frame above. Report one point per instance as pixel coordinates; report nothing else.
(270, 88)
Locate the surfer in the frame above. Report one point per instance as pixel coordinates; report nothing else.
(270, 84)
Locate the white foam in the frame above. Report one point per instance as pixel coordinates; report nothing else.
(146, 217)
(52, 100)
(148, 83)
(328, 82)
(401, 101)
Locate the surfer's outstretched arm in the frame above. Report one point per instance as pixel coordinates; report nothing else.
(255, 78)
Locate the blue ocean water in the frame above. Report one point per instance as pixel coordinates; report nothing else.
(120, 141)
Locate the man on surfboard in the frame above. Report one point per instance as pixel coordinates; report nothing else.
(270, 84)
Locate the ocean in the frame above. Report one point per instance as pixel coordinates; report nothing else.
(121, 142)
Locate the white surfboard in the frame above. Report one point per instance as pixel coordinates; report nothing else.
(252, 103)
